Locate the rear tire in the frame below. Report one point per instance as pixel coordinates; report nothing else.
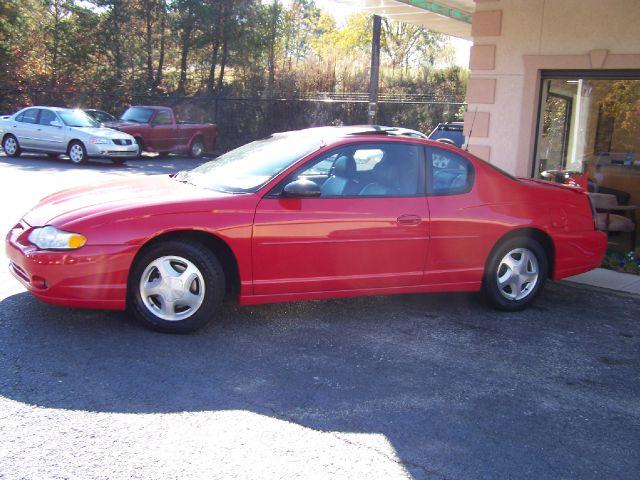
(515, 274)
(11, 146)
(77, 153)
(176, 287)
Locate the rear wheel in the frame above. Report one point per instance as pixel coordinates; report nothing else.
(11, 146)
(176, 287)
(197, 148)
(77, 153)
(515, 274)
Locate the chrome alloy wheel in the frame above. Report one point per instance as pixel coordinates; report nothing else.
(172, 288)
(10, 146)
(517, 274)
(76, 153)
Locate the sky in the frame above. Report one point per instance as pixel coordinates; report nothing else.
(341, 11)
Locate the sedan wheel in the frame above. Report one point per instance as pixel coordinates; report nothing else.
(11, 146)
(515, 274)
(77, 153)
(176, 287)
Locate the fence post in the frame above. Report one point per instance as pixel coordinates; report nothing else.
(375, 69)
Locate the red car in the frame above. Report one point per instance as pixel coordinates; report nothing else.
(318, 213)
(157, 130)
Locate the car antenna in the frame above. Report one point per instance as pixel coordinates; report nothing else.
(473, 120)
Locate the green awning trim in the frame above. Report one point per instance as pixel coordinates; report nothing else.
(444, 10)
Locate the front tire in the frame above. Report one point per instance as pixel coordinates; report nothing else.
(196, 150)
(140, 144)
(77, 152)
(176, 287)
(515, 274)
(11, 146)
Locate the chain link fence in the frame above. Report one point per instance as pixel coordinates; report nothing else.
(242, 119)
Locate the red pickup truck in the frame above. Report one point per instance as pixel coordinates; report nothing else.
(156, 130)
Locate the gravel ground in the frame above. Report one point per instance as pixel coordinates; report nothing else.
(413, 386)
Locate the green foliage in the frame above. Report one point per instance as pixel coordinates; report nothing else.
(627, 262)
(108, 53)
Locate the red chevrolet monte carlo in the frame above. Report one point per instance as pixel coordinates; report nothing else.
(318, 213)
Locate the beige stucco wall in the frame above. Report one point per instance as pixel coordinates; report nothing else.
(538, 28)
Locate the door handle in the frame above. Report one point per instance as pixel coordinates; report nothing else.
(409, 220)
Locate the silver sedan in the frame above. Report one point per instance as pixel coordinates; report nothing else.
(56, 131)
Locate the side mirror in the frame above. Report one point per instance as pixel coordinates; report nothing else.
(55, 123)
(301, 188)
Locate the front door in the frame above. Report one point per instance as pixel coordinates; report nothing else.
(161, 135)
(369, 228)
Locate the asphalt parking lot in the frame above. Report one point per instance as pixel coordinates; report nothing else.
(414, 386)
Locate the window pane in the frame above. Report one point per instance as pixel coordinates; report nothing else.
(162, 118)
(589, 129)
(46, 117)
(387, 169)
(450, 172)
(29, 116)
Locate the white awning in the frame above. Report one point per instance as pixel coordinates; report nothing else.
(451, 17)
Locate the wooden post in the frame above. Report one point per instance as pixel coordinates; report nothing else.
(375, 70)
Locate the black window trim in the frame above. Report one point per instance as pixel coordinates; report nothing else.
(276, 191)
(471, 174)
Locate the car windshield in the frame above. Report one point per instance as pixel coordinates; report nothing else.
(249, 167)
(76, 118)
(137, 115)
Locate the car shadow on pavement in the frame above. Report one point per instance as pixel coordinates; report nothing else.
(455, 387)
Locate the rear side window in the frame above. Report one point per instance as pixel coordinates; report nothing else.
(46, 117)
(449, 173)
(28, 116)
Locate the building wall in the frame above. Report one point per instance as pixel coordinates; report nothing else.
(513, 39)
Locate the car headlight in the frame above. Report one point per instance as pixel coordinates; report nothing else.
(99, 140)
(51, 238)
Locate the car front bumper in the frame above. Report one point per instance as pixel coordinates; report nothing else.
(109, 150)
(94, 276)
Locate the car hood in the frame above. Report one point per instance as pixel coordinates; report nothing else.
(101, 132)
(115, 196)
(122, 124)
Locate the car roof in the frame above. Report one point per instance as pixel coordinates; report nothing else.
(331, 133)
(55, 109)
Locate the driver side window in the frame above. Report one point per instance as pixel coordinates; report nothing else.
(163, 117)
(367, 170)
